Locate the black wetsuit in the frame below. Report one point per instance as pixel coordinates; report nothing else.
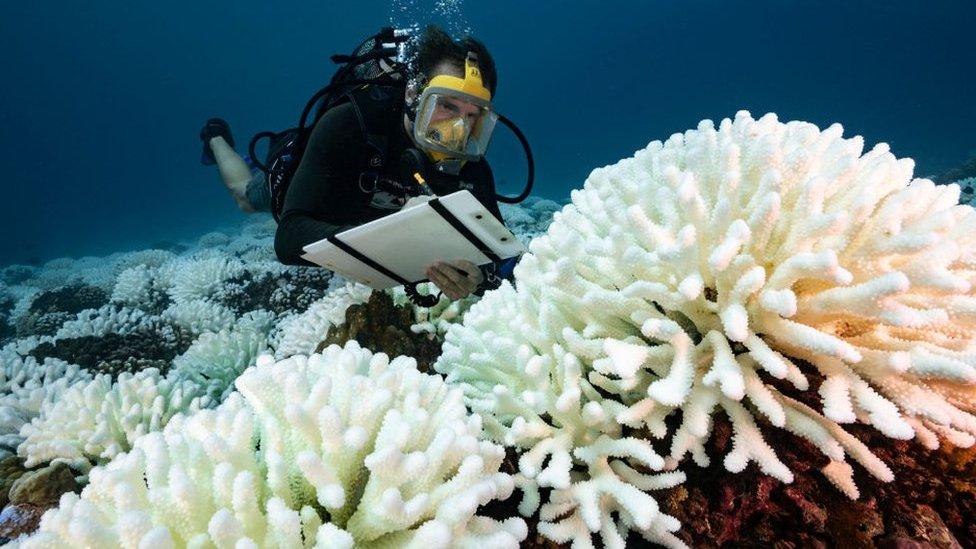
(325, 195)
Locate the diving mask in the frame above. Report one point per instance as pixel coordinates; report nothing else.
(454, 118)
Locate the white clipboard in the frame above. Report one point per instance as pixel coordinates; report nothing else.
(407, 241)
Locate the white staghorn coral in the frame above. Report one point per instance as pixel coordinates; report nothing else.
(133, 286)
(355, 449)
(693, 276)
(168, 490)
(215, 360)
(301, 333)
(543, 404)
(199, 316)
(26, 386)
(426, 471)
(93, 421)
(150, 258)
(435, 320)
(109, 319)
(194, 279)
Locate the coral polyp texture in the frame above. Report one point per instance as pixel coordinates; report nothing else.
(771, 271)
(353, 449)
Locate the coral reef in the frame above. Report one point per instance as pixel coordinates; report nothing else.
(113, 353)
(95, 421)
(967, 190)
(766, 292)
(706, 274)
(966, 171)
(300, 334)
(50, 309)
(215, 360)
(68, 299)
(26, 385)
(928, 501)
(531, 218)
(354, 449)
(33, 493)
(136, 287)
(383, 326)
(275, 289)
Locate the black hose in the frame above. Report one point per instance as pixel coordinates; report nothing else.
(419, 299)
(250, 149)
(528, 157)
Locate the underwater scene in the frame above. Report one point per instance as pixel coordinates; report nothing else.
(469, 274)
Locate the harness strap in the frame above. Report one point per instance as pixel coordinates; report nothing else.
(366, 111)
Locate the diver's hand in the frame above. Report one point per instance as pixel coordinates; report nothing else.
(452, 283)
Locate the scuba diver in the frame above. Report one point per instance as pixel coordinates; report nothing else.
(386, 135)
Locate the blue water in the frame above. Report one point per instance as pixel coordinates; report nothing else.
(100, 102)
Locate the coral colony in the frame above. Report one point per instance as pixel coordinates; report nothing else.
(712, 273)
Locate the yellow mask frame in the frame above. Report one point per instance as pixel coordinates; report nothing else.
(455, 138)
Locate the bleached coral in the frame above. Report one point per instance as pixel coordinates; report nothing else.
(21, 347)
(194, 279)
(169, 488)
(150, 258)
(133, 286)
(96, 271)
(253, 253)
(56, 272)
(435, 320)
(531, 218)
(24, 297)
(259, 321)
(93, 421)
(26, 385)
(108, 319)
(199, 316)
(300, 334)
(259, 227)
(355, 449)
(256, 241)
(688, 276)
(542, 403)
(213, 239)
(215, 360)
(91, 271)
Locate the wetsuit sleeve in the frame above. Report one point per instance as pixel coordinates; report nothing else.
(320, 188)
(496, 271)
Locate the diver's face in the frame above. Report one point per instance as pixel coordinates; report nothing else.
(448, 108)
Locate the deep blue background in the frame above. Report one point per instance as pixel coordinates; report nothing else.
(100, 102)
